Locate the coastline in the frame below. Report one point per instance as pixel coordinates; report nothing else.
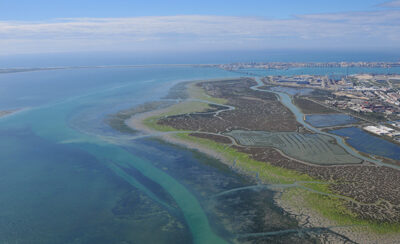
(301, 214)
(304, 215)
(136, 123)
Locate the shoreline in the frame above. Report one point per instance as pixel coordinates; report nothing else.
(303, 215)
(136, 122)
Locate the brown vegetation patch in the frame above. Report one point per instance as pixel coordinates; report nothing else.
(310, 107)
(216, 138)
(376, 188)
(253, 111)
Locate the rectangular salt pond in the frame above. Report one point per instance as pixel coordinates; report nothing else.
(365, 142)
(327, 120)
(313, 148)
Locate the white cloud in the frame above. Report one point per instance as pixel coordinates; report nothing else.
(354, 29)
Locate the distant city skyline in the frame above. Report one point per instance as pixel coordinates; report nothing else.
(45, 26)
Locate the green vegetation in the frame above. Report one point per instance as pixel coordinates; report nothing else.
(185, 108)
(151, 122)
(334, 209)
(177, 109)
(197, 92)
(266, 172)
(313, 148)
(117, 121)
(328, 206)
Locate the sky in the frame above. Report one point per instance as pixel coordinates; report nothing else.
(52, 26)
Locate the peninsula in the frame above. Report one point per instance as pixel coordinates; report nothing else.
(258, 131)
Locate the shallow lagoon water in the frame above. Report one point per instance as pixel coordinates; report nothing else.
(327, 120)
(68, 178)
(368, 143)
(52, 119)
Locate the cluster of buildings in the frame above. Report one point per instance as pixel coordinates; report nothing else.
(367, 95)
(358, 93)
(389, 97)
(366, 104)
(376, 96)
(395, 124)
(311, 81)
(370, 99)
(281, 65)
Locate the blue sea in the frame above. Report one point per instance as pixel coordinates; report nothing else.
(199, 57)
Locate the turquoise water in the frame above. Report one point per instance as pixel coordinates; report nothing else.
(368, 143)
(62, 180)
(326, 120)
(66, 177)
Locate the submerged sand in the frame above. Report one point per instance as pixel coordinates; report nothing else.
(5, 113)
